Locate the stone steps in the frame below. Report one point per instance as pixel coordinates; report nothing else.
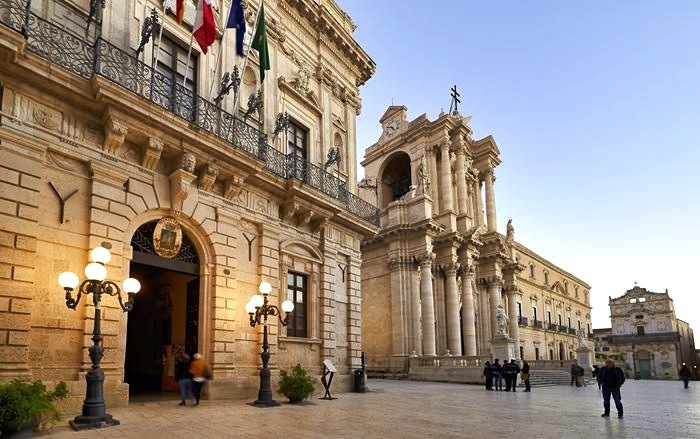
(553, 377)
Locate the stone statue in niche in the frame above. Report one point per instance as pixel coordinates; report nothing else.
(423, 176)
(501, 320)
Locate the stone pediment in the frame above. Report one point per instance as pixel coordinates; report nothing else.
(558, 287)
(302, 94)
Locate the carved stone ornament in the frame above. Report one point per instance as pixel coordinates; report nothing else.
(167, 237)
(208, 177)
(188, 162)
(45, 118)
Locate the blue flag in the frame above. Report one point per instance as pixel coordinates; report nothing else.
(237, 21)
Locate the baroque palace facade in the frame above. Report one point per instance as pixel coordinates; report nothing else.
(647, 336)
(439, 279)
(105, 142)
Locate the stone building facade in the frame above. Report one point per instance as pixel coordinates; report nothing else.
(647, 335)
(101, 142)
(439, 279)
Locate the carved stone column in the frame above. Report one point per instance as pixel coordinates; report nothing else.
(494, 285)
(489, 178)
(398, 317)
(445, 178)
(468, 320)
(416, 345)
(431, 154)
(514, 297)
(479, 204)
(460, 175)
(427, 303)
(454, 340)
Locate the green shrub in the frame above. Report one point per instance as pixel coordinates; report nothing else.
(23, 401)
(296, 384)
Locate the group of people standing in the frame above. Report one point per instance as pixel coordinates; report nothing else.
(494, 375)
(191, 374)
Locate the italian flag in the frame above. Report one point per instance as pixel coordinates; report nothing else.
(204, 29)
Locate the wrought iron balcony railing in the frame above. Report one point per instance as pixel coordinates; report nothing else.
(537, 323)
(522, 321)
(85, 59)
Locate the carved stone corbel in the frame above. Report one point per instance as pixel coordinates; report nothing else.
(181, 182)
(152, 154)
(234, 187)
(208, 176)
(289, 209)
(304, 218)
(318, 224)
(115, 133)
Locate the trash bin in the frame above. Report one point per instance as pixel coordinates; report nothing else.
(638, 376)
(360, 380)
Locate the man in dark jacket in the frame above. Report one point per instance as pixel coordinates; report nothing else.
(525, 375)
(184, 377)
(685, 375)
(611, 379)
(488, 378)
(511, 371)
(496, 372)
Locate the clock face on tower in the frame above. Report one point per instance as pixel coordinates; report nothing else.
(391, 127)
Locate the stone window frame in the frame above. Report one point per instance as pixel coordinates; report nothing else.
(302, 258)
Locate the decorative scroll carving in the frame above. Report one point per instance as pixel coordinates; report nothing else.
(208, 177)
(233, 187)
(180, 185)
(395, 262)
(490, 281)
(46, 118)
(67, 163)
(115, 132)
(152, 153)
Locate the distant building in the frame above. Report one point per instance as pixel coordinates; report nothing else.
(646, 335)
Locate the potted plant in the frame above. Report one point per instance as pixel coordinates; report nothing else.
(296, 384)
(28, 405)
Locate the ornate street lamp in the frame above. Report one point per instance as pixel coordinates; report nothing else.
(93, 415)
(258, 308)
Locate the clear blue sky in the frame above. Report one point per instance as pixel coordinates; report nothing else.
(594, 106)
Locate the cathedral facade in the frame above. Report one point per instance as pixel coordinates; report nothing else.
(112, 135)
(439, 279)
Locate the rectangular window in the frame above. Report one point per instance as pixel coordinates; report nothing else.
(296, 150)
(520, 310)
(549, 317)
(640, 330)
(534, 314)
(297, 293)
(537, 353)
(168, 88)
(559, 315)
(568, 320)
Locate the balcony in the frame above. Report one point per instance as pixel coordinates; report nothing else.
(522, 321)
(537, 324)
(100, 58)
(572, 331)
(646, 338)
(551, 326)
(561, 328)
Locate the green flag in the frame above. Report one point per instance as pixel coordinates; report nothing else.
(260, 43)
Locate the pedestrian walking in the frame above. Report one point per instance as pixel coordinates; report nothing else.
(684, 373)
(184, 377)
(488, 377)
(525, 375)
(596, 370)
(573, 373)
(611, 378)
(497, 372)
(200, 372)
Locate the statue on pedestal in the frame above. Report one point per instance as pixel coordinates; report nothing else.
(501, 320)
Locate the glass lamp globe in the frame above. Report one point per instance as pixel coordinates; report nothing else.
(265, 287)
(250, 308)
(101, 255)
(68, 279)
(257, 300)
(287, 306)
(95, 271)
(131, 285)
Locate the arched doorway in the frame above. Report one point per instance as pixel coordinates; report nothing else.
(395, 179)
(165, 319)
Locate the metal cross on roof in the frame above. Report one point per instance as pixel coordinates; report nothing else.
(455, 100)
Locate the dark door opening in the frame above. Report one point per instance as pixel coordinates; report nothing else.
(164, 322)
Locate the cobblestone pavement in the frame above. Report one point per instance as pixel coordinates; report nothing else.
(405, 409)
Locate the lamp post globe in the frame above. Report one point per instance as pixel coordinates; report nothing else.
(93, 413)
(258, 308)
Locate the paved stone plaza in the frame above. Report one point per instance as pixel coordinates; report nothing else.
(404, 409)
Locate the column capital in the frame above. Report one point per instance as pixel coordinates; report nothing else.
(396, 262)
(488, 173)
(426, 259)
(451, 268)
(491, 281)
(512, 289)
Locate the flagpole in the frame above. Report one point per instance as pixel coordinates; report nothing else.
(236, 102)
(221, 50)
(187, 66)
(155, 54)
(145, 8)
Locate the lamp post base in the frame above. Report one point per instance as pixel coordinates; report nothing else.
(265, 403)
(92, 422)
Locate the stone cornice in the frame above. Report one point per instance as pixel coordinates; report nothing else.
(322, 20)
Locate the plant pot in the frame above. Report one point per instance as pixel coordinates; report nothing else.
(295, 399)
(14, 429)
